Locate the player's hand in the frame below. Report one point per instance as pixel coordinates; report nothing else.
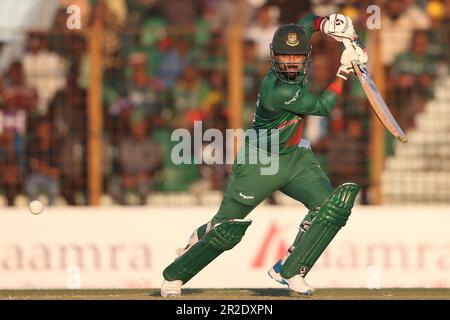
(352, 52)
(360, 50)
(339, 27)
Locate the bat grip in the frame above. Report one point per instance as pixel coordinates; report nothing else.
(348, 43)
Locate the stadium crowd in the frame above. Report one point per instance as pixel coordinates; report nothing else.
(165, 66)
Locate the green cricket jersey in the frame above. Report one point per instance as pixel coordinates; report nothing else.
(283, 106)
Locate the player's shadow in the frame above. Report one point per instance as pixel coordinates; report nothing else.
(256, 292)
(270, 292)
(186, 292)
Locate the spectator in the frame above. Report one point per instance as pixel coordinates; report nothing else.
(325, 7)
(42, 161)
(180, 13)
(439, 16)
(139, 158)
(143, 95)
(154, 42)
(262, 30)
(18, 102)
(399, 20)
(412, 74)
(436, 11)
(144, 91)
(10, 171)
(173, 61)
(44, 70)
(59, 37)
(226, 14)
(291, 11)
(69, 114)
(118, 10)
(78, 60)
(446, 19)
(112, 15)
(190, 98)
(16, 94)
(214, 55)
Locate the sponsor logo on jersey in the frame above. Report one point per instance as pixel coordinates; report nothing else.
(294, 98)
(285, 124)
(246, 197)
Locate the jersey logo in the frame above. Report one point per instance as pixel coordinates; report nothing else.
(246, 197)
(292, 40)
(285, 124)
(294, 98)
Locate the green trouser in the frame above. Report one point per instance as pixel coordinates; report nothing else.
(299, 176)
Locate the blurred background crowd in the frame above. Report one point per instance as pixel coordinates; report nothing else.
(164, 66)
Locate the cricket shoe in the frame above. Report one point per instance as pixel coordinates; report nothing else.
(297, 283)
(171, 288)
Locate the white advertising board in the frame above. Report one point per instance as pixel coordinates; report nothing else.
(129, 247)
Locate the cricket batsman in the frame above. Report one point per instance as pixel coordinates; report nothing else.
(283, 103)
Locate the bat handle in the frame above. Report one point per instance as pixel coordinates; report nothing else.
(360, 44)
(348, 43)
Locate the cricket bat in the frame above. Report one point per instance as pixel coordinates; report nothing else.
(376, 100)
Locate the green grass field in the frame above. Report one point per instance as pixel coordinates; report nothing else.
(227, 294)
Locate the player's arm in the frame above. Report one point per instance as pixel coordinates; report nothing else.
(291, 98)
(311, 23)
(306, 103)
(323, 105)
(335, 25)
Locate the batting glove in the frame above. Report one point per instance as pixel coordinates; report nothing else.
(338, 27)
(353, 52)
